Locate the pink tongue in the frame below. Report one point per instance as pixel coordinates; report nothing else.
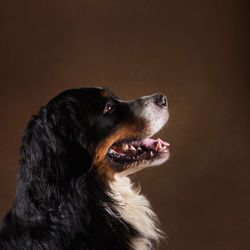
(151, 143)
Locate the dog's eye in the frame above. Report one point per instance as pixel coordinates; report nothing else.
(109, 107)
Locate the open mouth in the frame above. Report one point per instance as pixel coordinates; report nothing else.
(128, 151)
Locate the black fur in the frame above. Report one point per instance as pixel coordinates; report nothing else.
(60, 197)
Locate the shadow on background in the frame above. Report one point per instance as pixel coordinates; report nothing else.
(193, 51)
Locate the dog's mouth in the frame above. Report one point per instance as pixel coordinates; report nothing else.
(137, 150)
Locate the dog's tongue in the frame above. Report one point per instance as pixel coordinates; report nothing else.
(152, 144)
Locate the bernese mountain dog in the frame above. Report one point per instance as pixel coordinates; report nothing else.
(73, 189)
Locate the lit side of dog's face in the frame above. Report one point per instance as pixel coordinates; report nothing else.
(116, 133)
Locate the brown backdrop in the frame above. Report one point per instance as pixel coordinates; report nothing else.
(193, 51)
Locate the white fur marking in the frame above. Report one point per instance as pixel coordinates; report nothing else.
(147, 109)
(135, 209)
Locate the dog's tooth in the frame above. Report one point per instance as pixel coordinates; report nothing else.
(164, 147)
(139, 148)
(111, 151)
(135, 157)
(151, 153)
(159, 146)
(132, 148)
(125, 147)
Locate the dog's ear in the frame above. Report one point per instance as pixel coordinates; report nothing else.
(54, 154)
(81, 158)
(68, 136)
(69, 129)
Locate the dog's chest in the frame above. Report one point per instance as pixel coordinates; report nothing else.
(135, 209)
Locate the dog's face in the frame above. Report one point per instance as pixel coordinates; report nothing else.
(116, 133)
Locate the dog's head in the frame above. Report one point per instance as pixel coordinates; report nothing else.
(127, 147)
(104, 133)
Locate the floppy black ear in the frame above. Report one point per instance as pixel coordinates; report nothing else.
(54, 154)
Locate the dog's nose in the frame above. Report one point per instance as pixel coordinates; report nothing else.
(161, 101)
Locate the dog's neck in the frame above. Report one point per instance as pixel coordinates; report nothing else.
(135, 209)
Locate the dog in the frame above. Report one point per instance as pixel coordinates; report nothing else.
(73, 189)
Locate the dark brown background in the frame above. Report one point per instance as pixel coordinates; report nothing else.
(193, 51)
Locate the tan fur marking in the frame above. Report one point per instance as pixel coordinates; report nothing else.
(127, 131)
(104, 93)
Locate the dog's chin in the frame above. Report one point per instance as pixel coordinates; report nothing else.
(129, 156)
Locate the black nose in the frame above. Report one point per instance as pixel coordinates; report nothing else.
(161, 101)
